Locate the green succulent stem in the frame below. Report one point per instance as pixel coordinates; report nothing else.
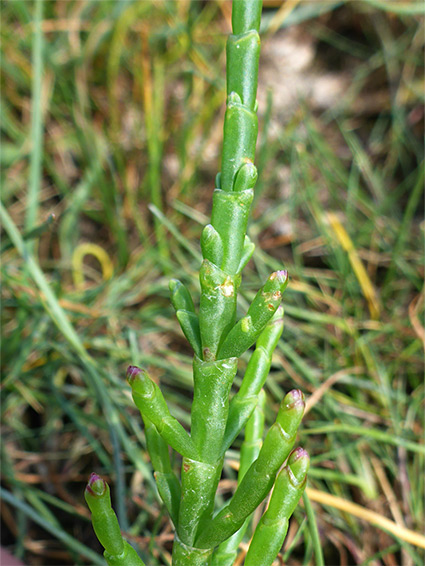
(259, 478)
(271, 530)
(225, 247)
(218, 339)
(226, 553)
(118, 552)
(166, 480)
(150, 401)
(184, 555)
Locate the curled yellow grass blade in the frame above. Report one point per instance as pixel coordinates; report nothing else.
(99, 253)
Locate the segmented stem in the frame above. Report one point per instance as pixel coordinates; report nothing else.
(225, 249)
(224, 244)
(218, 340)
(271, 530)
(260, 477)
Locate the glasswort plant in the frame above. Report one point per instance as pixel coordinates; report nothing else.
(218, 341)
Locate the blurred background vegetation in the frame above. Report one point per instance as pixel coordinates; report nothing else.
(112, 116)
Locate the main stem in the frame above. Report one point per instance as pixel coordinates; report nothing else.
(226, 249)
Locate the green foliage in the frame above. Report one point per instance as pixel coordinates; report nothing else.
(105, 524)
(218, 343)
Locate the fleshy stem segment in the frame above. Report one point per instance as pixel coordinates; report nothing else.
(271, 530)
(259, 478)
(118, 552)
(225, 246)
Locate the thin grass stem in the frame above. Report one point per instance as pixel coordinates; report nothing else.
(314, 532)
(36, 120)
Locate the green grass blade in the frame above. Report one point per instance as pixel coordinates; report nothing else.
(51, 303)
(314, 532)
(36, 120)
